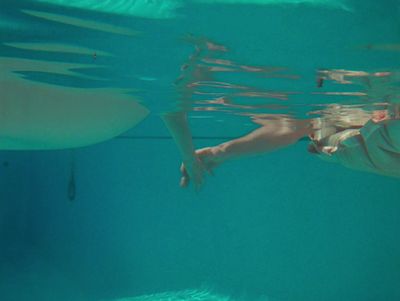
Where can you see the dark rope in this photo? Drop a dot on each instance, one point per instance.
(194, 138)
(71, 189)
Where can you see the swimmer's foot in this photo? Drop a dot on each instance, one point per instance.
(192, 171)
(206, 161)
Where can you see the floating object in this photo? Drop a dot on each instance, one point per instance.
(58, 48)
(39, 116)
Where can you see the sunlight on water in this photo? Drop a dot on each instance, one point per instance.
(160, 9)
(141, 8)
(187, 295)
(333, 3)
(81, 23)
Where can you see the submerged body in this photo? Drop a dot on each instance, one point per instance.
(369, 142)
(376, 149)
(358, 137)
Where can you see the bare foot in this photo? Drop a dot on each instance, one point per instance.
(206, 161)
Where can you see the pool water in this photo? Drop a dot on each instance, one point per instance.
(105, 219)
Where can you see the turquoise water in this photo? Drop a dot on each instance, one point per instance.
(109, 220)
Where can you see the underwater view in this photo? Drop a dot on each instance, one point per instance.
(199, 150)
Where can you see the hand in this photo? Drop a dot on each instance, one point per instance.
(205, 161)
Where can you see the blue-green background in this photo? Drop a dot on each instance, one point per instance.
(286, 226)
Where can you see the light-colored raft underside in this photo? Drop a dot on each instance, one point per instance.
(38, 116)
